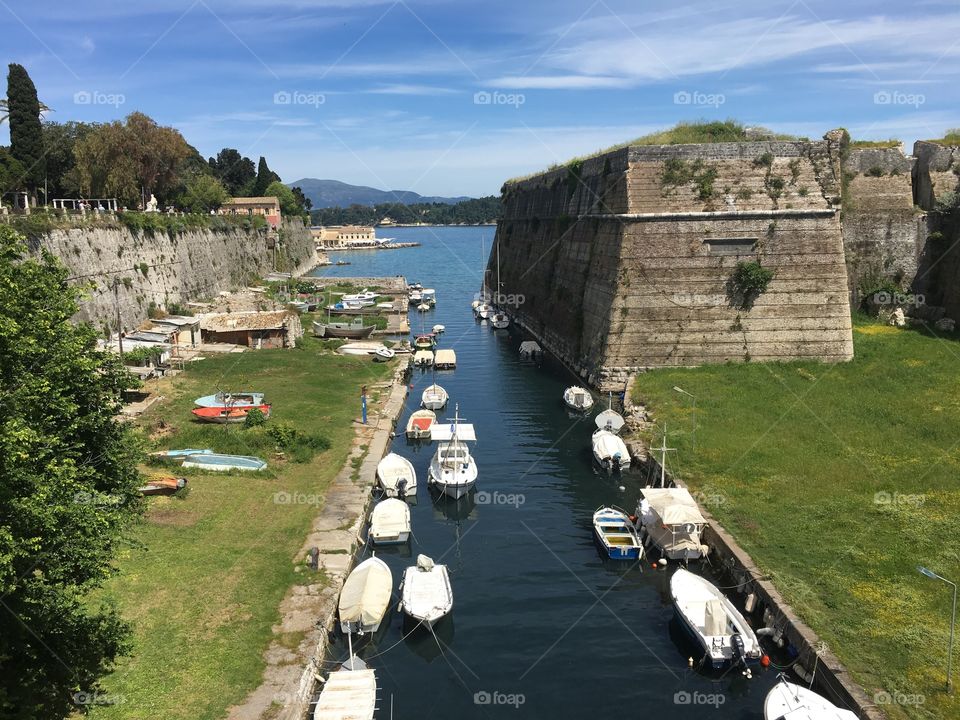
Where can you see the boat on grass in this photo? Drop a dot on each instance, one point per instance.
(787, 701)
(712, 621)
(578, 398)
(222, 463)
(228, 415)
(425, 593)
(365, 597)
(616, 534)
(354, 330)
(396, 476)
(225, 399)
(180, 454)
(420, 424)
(610, 451)
(390, 522)
(672, 521)
(163, 486)
(362, 348)
(382, 354)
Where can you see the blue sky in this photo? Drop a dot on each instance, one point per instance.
(386, 93)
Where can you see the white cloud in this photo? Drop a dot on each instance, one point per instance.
(557, 82)
(409, 89)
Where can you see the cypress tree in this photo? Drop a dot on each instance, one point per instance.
(26, 133)
(265, 176)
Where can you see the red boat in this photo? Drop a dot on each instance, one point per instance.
(225, 415)
(163, 486)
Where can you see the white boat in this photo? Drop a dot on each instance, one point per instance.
(423, 358)
(500, 320)
(438, 329)
(367, 296)
(426, 594)
(361, 348)
(610, 451)
(415, 296)
(429, 296)
(434, 397)
(530, 349)
(396, 476)
(672, 521)
(578, 398)
(474, 305)
(420, 424)
(365, 597)
(423, 307)
(349, 693)
(382, 354)
(385, 306)
(609, 420)
(712, 621)
(453, 471)
(445, 359)
(616, 534)
(390, 522)
(787, 701)
(483, 311)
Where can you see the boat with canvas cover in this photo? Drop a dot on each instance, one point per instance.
(425, 593)
(350, 693)
(787, 701)
(672, 521)
(445, 359)
(354, 330)
(396, 476)
(420, 424)
(453, 471)
(225, 399)
(228, 415)
(578, 398)
(423, 358)
(222, 463)
(390, 522)
(365, 597)
(712, 621)
(530, 349)
(434, 397)
(616, 534)
(610, 451)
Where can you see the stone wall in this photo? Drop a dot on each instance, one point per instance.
(133, 270)
(624, 261)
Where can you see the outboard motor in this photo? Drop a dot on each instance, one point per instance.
(739, 651)
(402, 488)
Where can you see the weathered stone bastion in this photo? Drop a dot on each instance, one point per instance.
(624, 261)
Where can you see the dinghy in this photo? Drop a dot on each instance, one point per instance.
(672, 521)
(438, 329)
(616, 534)
(425, 594)
(712, 621)
(500, 320)
(423, 358)
(445, 359)
(423, 307)
(225, 399)
(390, 522)
(365, 597)
(228, 415)
(453, 471)
(222, 463)
(382, 354)
(425, 341)
(530, 349)
(578, 398)
(787, 701)
(396, 476)
(420, 424)
(609, 420)
(349, 693)
(610, 451)
(434, 397)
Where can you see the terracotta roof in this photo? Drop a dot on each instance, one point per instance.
(269, 200)
(228, 322)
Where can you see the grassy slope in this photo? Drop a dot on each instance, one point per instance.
(204, 590)
(797, 453)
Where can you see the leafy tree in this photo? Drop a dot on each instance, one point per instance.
(202, 194)
(302, 200)
(265, 176)
(237, 173)
(288, 201)
(11, 172)
(59, 140)
(68, 479)
(26, 136)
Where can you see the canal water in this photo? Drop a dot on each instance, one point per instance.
(542, 626)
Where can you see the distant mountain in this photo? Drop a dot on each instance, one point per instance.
(333, 193)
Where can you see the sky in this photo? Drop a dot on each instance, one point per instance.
(452, 97)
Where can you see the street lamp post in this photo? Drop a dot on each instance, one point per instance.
(953, 621)
(689, 395)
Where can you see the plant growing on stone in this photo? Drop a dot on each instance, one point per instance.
(875, 171)
(748, 281)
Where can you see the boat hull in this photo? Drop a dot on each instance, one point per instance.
(326, 331)
(398, 539)
(453, 490)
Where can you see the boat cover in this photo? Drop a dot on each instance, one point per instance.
(529, 347)
(390, 517)
(714, 619)
(423, 356)
(422, 423)
(366, 593)
(348, 695)
(424, 562)
(445, 357)
(675, 506)
(394, 468)
(444, 432)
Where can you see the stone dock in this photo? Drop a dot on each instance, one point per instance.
(309, 611)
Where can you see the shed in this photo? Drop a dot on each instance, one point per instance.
(258, 330)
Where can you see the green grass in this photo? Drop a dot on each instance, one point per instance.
(950, 137)
(839, 480)
(891, 143)
(203, 590)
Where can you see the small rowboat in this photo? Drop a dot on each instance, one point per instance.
(426, 594)
(223, 463)
(228, 415)
(390, 522)
(420, 424)
(616, 534)
(578, 398)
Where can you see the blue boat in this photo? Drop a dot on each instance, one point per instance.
(616, 534)
(182, 453)
(215, 461)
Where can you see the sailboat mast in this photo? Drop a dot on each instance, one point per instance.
(496, 296)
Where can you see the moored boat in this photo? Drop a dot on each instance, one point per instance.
(420, 424)
(221, 463)
(609, 420)
(390, 522)
(426, 594)
(423, 307)
(445, 359)
(500, 320)
(453, 471)
(672, 521)
(787, 701)
(712, 621)
(349, 693)
(610, 451)
(578, 398)
(434, 397)
(425, 341)
(437, 329)
(616, 534)
(365, 596)
(530, 349)
(423, 358)
(228, 415)
(396, 476)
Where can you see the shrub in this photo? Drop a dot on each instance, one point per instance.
(765, 160)
(255, 418)
(875, 171)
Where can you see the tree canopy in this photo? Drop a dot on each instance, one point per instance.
(265, 176)
(68, 479)
(26, 137)
(203, 193)
(466, 212)
(237, 173)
